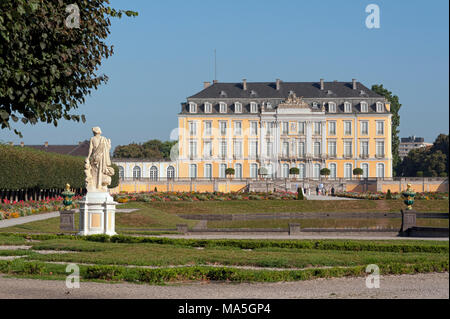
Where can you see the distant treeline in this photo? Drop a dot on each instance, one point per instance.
(427, 161)
(154, 149)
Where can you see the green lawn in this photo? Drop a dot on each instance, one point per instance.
(385, 223)
(416, 256)
(161, 216)
(284, 206)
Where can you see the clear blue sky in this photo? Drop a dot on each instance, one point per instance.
(165, 54)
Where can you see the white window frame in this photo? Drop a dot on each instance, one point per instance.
(192, 128)
(351, 128)
(378, 170)
(317, 128)
(332, 142)
(285, 128)
(361, 153)
(208, 130)
(377, 154)
(223, 127)
(302, 125)
(380, 108)
(364, 107)
(192, 107)
(346, 142)
(319, 153)
(237, 151)
(346, 165)
(237, 130)
(333, 176)
(331, 107)
(332, 132)
(365, 172)
(347, 107)
(223, 107)
(206, 152)
(382, 125)
(361, 128)
(238, 107)
(208, 107)
(252, 132)
(253, 107)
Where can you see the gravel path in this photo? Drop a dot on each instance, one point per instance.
(27, 219)
(420, 286)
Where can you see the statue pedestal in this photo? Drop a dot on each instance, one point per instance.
(97, 214)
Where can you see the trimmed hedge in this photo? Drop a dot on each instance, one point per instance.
(341, 245)
(202, 273)
(27, 168)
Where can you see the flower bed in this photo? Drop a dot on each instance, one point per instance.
(394, 196)
(191, 197)
(13, 209)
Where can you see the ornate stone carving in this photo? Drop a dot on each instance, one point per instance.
(294, 102)
(98, 168)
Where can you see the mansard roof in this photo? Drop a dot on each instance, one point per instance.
(268, 90)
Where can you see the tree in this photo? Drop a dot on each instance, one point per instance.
(427, 161)
(395, 108)
(325, 172)
(154, 149)
(48, 63)
(358, 172)
(300, 194)
(294, 171)
(229, 171)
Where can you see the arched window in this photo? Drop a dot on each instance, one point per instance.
(153, 173)
(121, 172)
(285, 171)
(332, 171)
(316, 171)
(348, 171)
(193, 170)
(365, 168)
(208, 171)
(238, 171)
(222, 170)
(170, 172)
(364, 107)
(380, 170)
(136, 172)
(253, 170)
(301, 169)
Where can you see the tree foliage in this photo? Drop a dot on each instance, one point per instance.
(427, 161)
(154, 149)
(294, 171)
(325, 172)
(47, 68)
(395, 108)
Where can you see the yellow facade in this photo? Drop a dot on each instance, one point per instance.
(356, 160)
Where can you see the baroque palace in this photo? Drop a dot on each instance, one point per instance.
(270, 127)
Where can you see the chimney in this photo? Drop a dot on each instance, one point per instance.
(278, 84)
(354, 84)
(244, 84)
(322, 85)
(206, 85)
(215, 81)
(46, 144)
(22, 144)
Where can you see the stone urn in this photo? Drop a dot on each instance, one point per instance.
(67, 197)
(409, 195)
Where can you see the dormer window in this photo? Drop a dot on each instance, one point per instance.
(364, 107)
(380, 107)
(253, 93)
(253, 107)
(332, 107)
(269, 105)
(192, 107)
(237, 107)
(223, 94)
(315, 104)
(347, 107)
(208, 107)
(223, 107)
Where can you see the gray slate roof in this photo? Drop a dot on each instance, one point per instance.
(268, 90)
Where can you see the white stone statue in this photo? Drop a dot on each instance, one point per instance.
(97, 208)
(98, 168)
